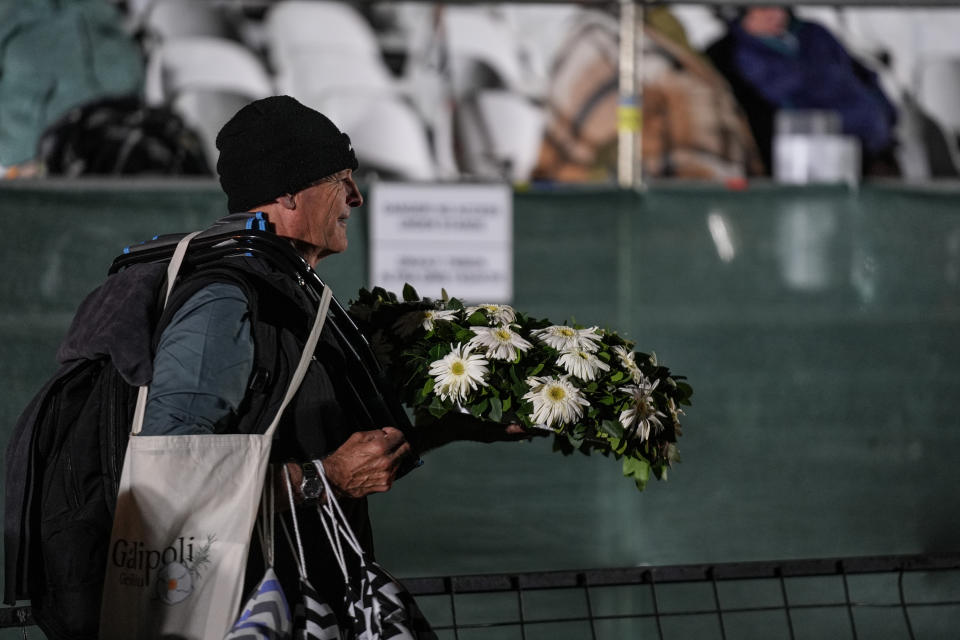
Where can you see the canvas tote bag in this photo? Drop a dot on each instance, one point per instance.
(184, 519)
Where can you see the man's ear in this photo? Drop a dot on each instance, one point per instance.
(286, 201)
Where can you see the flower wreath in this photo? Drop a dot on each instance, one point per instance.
(586, 385)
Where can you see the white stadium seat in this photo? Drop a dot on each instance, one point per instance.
(206, 80)
(326, 55)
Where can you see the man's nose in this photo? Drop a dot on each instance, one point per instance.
(354, 197)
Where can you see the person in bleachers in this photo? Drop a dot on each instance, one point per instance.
(55, 56)
(773, 60)
(692, 126)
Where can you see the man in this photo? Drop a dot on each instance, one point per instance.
(293, 165)
(775, 61)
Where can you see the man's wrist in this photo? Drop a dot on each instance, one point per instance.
(311, 486)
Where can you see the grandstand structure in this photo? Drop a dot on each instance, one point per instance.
(460, 90)
(816, 323)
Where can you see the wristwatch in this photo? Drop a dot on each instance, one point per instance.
(311, 488)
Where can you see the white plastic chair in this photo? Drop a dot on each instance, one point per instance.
(165, 19)
(387, 135)
(326, 55)
(499, 123)
(475, 35)
(502, 133)
(206, 80)
(937, 89)
(321, 45)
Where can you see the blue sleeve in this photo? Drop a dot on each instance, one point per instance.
(202, 365)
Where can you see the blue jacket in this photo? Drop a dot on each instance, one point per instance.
(806, 69)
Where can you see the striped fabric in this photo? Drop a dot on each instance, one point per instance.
(266, 615)
(313, 619)
(383, 610)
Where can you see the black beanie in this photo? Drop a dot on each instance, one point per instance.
(275, 146)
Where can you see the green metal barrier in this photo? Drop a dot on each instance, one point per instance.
(818, 326)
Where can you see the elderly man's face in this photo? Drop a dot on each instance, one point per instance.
(765, 21)
(325, 208)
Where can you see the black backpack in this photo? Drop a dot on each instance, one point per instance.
(66, 453)
(121, 136)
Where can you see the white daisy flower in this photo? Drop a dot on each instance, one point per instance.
(501, 342)
(563, 338)
(555, 401)
(642, 417)
(431, 316)
(498, 313)
(458, 373)
(626, 358)
(426, 318)
(582, 364)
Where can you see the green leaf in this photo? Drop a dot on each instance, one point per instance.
(409, 293)
(437, 408)
(612, 428)
(561, 444)
(507, 403)
(496, 409)
(617, 377)
(478, 409)
(425, 391)
(638, 469)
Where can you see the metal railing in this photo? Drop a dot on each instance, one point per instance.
(729, 600)
(735, 600)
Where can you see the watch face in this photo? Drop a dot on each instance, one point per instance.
(311, 489)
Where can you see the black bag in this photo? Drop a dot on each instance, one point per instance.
(121, 136)
(65, 456)
(62, 472)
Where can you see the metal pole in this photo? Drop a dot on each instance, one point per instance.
(628, 107)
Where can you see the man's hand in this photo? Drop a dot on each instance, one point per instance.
(367, 462)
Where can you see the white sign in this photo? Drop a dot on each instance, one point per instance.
(457, 237)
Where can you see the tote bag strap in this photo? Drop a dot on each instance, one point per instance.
(298, 547)
(336, 526)
(172, 270)
(305, 357)
(266, 527)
